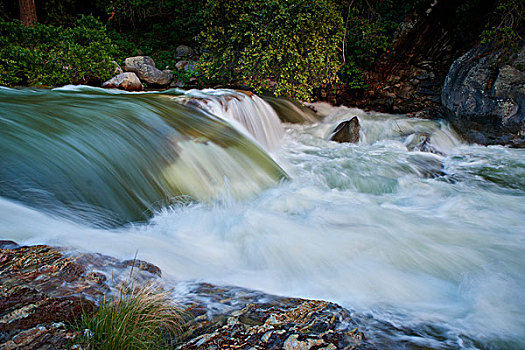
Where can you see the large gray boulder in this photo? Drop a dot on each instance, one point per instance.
(145, 69)
(125, 81)
(485, 100)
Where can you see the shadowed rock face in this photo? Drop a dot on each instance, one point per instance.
(346, 131)
(487, 103)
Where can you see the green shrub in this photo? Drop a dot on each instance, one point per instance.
(506, 27)
(140, 319)
(504, 31)
(285, 46)
(48, 55)
(154, 28)
(366, 39)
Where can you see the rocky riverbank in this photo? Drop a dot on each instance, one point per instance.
(44, 290)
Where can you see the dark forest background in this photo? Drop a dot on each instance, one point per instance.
(285, 47)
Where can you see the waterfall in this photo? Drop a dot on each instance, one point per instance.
(417, 233)
(121, 155)
(243, 108)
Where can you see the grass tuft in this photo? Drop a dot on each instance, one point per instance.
(141, 318)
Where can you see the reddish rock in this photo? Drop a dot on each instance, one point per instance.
(42, 289)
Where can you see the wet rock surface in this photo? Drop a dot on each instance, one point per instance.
(43, 288)
(484, 99)
(236, 318)
(347, 131)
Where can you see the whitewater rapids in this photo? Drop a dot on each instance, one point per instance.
(430, 241)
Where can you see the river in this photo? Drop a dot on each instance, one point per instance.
(425, 248)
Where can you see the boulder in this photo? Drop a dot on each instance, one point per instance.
(346, 131)
(421, 143)
(116, 70)
(145, 69)
(125, 81)
(485, 100)
(184, 51)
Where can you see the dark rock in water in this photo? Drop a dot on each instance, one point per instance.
(253, 320)
(486, 101)
(145, 69)
(421, 143)
(41, 289)
(126, 81)
(346, 131)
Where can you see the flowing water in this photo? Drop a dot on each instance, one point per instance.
(419, 234)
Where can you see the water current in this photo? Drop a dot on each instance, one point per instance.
(423, 241)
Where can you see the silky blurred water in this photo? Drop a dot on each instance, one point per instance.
(427, 249)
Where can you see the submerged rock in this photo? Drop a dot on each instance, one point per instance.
(292, 112)
(145, 69)
(346, 131)
(126, 81)
(486, 101)
(427, 165)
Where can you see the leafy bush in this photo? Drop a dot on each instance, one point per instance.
(366, 39)
(154, 28)
(506, 33)
(140, 319)
(48, 55)
(285, 46)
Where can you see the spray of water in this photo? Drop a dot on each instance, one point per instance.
(424, 244)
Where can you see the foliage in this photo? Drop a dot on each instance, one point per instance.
(507, 32)
(286, 46)
(152, 27)
(366, 39)
(369, 29)
(142, 319)
(47, 55)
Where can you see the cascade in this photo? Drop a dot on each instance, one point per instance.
(417, 233)
(256, 116)
(121, 155)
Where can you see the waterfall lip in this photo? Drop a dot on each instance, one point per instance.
(244, 110)
(89, 149)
